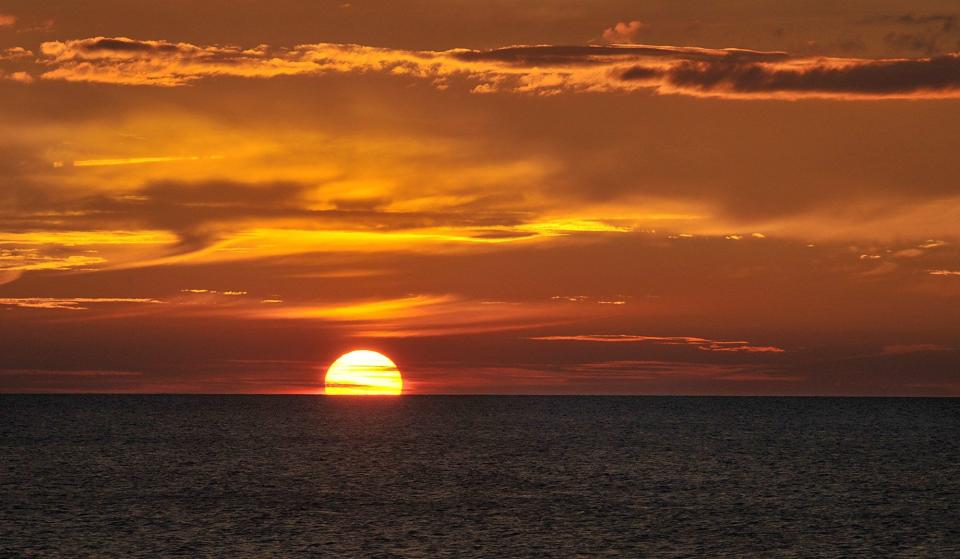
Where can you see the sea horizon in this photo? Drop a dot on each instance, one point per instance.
(534, 395)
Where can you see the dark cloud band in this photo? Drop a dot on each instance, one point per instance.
(537, 69)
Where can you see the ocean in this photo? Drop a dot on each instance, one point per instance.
(478, 476)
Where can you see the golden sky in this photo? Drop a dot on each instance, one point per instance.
(541, 197)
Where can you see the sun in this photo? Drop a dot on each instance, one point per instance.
(363, 373)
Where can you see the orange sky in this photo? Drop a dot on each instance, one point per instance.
(534, 197)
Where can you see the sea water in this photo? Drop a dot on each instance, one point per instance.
(485, 476)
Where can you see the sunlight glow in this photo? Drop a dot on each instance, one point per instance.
(363, 373)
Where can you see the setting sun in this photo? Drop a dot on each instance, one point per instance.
(363, 373)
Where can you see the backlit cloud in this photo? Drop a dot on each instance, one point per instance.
(14, 53)
(132, 62)
(132, 161)
(70, 303)
(31, 259)
(623, 32)
(13, 60)
(247, 217)
(538, 69)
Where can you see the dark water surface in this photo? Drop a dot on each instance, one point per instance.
(256, 476)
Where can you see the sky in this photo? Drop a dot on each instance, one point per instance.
(524, 197)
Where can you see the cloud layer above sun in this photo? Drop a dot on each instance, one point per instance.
(540, 69)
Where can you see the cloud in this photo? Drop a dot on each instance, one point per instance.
(126, 61)
(652, 369)
(39, 380)
(611, 300)
(281, 214)
(21, 77)
(623, 32)
(234, 293)
(23, 259)
(418, 316)
(7, 20)
(598, 377)
(411, 316)
(900, 349)
(58, 373)
(946, 22)
(194, 213)
(360, 311)
(15, 53)
(927, 33)
(68, 303)
(703, 344)
(537, 69)
(521, 56)
(820, 78)
(133, 161)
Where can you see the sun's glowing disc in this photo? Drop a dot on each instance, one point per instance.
(363, 373)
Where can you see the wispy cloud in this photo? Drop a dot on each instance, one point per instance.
(703, 344)
(615, 376)
(536, 69)
(133, 161)
(416, 315)
(360, 311)
(611, 300)
(68, 373)
(651, 369)
(419, 316)
(80, 380)
(70, 303)
(230, 293)
(237, 219)
(31, 259)
(82, 236)
(900, 349)
(926, 33)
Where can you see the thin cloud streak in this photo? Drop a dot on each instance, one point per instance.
(615, 376)
(30, 259)
(68, 373)
(135, 161)
(900, 349)
(69, 303)
(404, 317)
(702, 344)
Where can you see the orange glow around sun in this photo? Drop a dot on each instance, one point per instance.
(363, 373)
